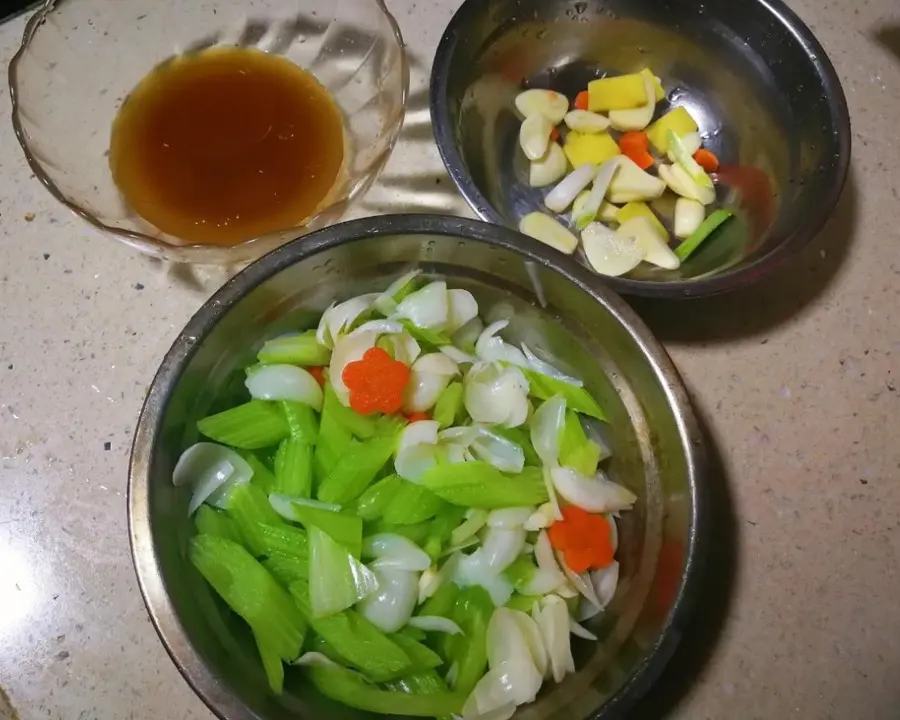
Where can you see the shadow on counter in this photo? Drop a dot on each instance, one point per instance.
(714, 598)
(889, 38)
(761, 308)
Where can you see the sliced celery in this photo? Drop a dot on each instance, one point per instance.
(343, 527)
(294, 468)
(421, 657)
(449, 405)
(578, 399)
(287, 569)
(576, 451)
(442, 602)
(350, 688)
(418, 533)
(244, 584)
(521, 571)
(253, 425)
(707, 228)
(262, 476)
(371, 504)
(468, 652)
(210, 521)
(249, 507)
(334, 436)
(413, 632)
(424, 682)
(480, 484)
(356, 469)
(428, 339)
(441, 528)
(299, 349)
(355, 640)
(412, 504)
(522, 603)
(301, 420)
(337, 580)
(360, 426)
(284, 539)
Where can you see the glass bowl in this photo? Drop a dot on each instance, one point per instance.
(79, 59)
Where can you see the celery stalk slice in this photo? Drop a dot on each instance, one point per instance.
(411, 504)
(707, 228)
(545, 387)
(287, 569)
(441, 528)
(575, 449)
(372, 503)
(356, 469)
(449, 405)
(210, 521)
(249, 507)
(480, 484)
(421, 656)
(442, 602)
(521, 572)
(301, 420)
(360, 426)
(522, 603)
(294, 468)
(343, 527)
(355, 640)
(424, 682)
(255, 424)
(294, 349)
(472, 612)
(262, 476)
(337, 580)
(250, 591)
(350, 688)
(334, 435)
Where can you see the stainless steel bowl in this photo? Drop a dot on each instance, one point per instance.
(555, 303)
(760, 86)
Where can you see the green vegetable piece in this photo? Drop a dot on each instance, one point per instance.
(578, 399)
(284, 539)
(468, 652)
(337, 580)
(412, 504)
(287, 569)
(371, 504)
(255, 424)
(424, 682)
(360, 426)
(334, 435)
(442, 602)
(249, 507)
(429, 339)
(356, 469)
(294, 468)
(262, 476)
(301, 420)
(244, 584)
(355, 640)
(449, 405)
(576, 451)
(350, 688)
(712, 223)
(413, 632)
(210, 521)
(521, 572)
(294, 349)
(480, 485)
(422, 657)
(522, 603)
(441, 528)
(343, 527)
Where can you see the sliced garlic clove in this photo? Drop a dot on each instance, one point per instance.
(534, 136)
(689, 215)
(586, 121)
(608, 253)
(548, 231)
(656, 250)
(549, 103)
(548, 169)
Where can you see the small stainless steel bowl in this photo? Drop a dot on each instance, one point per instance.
(766, 98)
(657, 450)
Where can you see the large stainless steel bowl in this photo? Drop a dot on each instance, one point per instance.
(553, 301)
(761, 88)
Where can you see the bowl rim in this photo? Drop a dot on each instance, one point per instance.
(195, 253)
(202, 680)
(730, 279)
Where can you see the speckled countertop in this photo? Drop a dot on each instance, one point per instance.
(799, 379)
